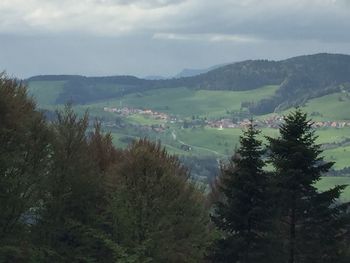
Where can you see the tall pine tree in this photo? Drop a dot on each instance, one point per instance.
(243, 214)
(309, 227)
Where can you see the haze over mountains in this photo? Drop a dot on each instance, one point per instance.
(189, 72)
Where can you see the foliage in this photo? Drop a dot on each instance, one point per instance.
(310, 224)
(286, 212)
(243, 212)
(68, 195)
(157, 213)
(24, 140)
(68, 214)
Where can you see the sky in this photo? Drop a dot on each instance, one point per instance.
(162, 37)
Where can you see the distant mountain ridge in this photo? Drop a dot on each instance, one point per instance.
(188, 72)
(299, 78)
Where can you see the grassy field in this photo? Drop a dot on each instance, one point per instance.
(330, 107)
(221, 141)
(333, 107)
(178, 101)
(204, 142)
(143, 120)
(329, 182)
(340, 155)
(45, 92)
(330, 135)
(187, 102)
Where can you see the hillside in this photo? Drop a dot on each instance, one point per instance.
(189, 72)
(201, 117)
(299, 79)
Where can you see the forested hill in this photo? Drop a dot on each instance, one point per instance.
(300, 78)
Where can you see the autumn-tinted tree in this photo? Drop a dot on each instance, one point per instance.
(158, 213)
(24, 155)
(310, 224)
(101, 148)
(66, 228)
(243, 214)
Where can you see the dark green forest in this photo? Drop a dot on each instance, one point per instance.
(67, 194)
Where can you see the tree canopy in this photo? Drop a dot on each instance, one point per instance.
(67, 194)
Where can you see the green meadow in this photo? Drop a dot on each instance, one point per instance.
(45, 92)
(335, 106)
(144, 120)
(185, 103)
(339, 155)
(216, 141)
(327, 182)
(332, 135)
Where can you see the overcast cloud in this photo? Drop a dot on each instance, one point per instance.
(160, 37)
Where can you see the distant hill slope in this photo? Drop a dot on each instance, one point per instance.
(189, 72)
(82, 90)
(299, 79)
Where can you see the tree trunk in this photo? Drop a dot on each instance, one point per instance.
(292, 235)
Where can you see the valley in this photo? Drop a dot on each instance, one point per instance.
(201, 123)
(175, 131)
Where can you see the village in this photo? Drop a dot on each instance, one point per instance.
(273, 121)
(126, 111)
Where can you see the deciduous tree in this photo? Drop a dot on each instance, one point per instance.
(158, 212)
(24, 159)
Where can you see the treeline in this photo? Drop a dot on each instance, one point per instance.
(83, 90)
(68, 195)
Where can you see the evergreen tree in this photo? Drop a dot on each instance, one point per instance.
(310, 223)
(243, 214)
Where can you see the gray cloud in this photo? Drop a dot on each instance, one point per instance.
(101, 37)
(144, 3)
(324, 20)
